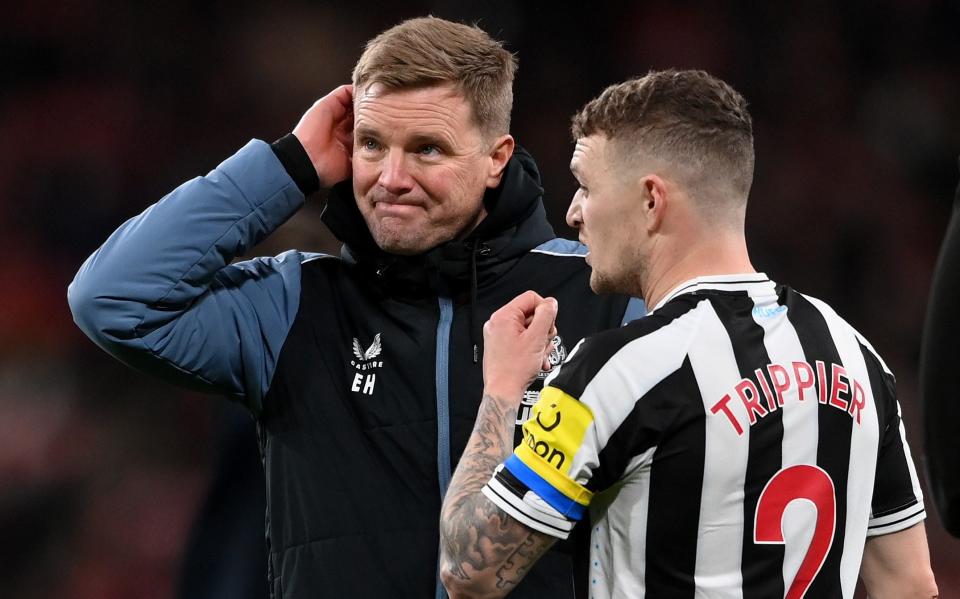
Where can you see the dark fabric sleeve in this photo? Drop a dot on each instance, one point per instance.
(289, 151)
(897, 502)
(939, 391)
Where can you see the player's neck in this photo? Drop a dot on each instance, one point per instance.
(715, 254)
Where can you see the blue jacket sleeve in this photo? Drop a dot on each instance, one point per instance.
(161, 296)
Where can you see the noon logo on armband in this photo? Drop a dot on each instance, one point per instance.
(557, 355)
(365, 365)
(547, 418)
(555, 431)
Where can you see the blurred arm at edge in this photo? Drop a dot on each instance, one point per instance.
(940, 394)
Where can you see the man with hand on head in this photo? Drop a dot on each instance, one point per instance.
(742, 440)
(362, 371)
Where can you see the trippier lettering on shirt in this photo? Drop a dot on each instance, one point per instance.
(768, 389)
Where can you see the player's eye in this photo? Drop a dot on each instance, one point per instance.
(370, 145)
(429, 150)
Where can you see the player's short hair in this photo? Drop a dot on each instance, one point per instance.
(428, 51)
(687, 119)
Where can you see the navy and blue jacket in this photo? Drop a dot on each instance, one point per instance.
(363, 371)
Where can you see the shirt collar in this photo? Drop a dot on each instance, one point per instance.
(750, 282)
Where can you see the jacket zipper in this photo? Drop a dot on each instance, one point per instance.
(443, 407)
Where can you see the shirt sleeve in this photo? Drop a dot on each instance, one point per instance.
(161, 295)
(543, 484)
(897, 502)
(584, 431)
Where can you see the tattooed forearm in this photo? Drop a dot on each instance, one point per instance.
(519, 563)
(480, 543)
(490, 444)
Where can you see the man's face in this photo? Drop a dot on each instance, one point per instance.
(420, 166)
(606, 211)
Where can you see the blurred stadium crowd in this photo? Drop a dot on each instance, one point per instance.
(106, 106)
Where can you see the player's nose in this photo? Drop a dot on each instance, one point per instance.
(574, 215)
(395, 174)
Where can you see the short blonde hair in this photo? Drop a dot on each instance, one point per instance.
(429, 51)
(686, 118)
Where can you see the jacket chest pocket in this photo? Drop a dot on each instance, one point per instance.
(388, 368)
(386, 390)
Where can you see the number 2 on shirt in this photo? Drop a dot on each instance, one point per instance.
(798, 482)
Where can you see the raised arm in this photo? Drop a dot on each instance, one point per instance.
(484, 552)
(159, 294)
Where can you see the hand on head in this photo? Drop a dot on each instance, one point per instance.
(326, 133)
(517, 342)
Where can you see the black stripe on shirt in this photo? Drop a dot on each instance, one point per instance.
(765, 457)
(892, 487)
(835, 430)
(674, 407)
(676, 481)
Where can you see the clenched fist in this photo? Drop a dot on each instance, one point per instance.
(517, 344)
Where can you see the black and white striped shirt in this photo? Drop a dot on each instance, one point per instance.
(690, 435)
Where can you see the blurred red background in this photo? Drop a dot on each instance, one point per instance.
(104, 107)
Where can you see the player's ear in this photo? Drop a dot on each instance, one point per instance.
(500, 153)
(654, 200)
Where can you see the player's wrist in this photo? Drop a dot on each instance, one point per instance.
(506, 394)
